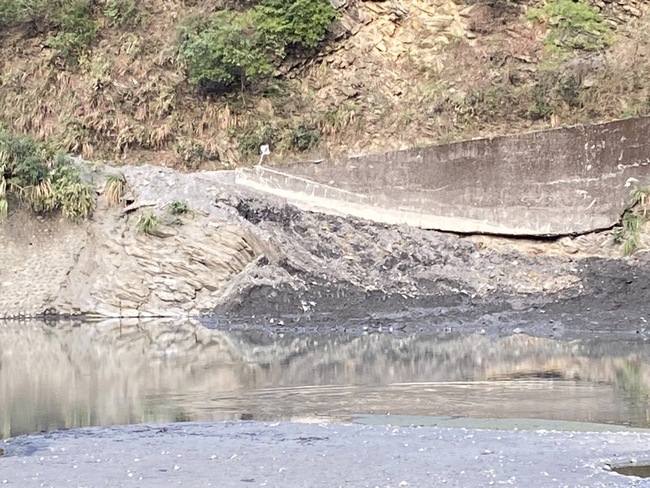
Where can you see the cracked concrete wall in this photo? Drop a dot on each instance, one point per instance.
(556, 182)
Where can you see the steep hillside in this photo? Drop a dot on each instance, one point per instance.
(106, 81)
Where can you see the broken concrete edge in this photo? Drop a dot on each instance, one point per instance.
(558, 182)
(310, 195)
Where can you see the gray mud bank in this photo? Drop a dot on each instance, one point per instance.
(351, 274)
(301, 455)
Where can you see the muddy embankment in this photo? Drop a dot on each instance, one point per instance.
(249, 257)
(253, 257)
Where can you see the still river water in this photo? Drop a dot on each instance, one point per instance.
(118, 372)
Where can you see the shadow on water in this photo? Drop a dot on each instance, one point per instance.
(119, 372)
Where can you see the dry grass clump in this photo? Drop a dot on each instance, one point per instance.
(115, 188)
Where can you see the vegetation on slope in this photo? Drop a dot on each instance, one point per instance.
(203, 84)
(32, 173)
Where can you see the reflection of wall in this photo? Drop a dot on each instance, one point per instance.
(553, 182)
(112, 372)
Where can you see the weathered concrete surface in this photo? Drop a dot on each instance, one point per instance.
(293, 455)
(557, 182)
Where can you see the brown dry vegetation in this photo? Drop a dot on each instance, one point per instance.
(394, 74)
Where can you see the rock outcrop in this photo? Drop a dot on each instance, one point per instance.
(106, 267)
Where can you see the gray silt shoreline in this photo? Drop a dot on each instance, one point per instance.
(234, 454)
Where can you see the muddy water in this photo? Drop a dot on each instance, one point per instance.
(118, 372)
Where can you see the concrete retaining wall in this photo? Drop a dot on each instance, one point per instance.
(556, 182)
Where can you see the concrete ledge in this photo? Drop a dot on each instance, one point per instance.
(556, 182)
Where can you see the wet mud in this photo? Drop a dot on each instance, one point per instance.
(351, 274)
(300, 455)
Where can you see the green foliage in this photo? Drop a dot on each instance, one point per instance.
(575, 24)
(304, 138)
(122, 13)
(70, 20)
(15, 12)
(569, 90)
(540, 108)
(294, 24)
(227, 53)
(76, 29)
(237, 48)
(76, 199)
(147, 223)
(179, 207)
(32, 173)
(251, 140)
(629, 235)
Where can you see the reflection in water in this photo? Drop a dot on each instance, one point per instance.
(118, 372)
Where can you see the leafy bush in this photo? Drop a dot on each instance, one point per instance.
(15, 12)
(236, 48)
(194, 154)
(121, 13)
(292, 24)
(575, 24)
(629, 235)
(76, 29)
(227, 53)
(30, 172)
(304, 138)
(251, 140)
(115, 188)
(71, 21)
(179, 207)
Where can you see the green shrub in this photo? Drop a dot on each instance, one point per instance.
(194, 154)
(540, 108)
(15, 12)
(227, 53)
(575, 24)
(237, 48)
(569, 90)
(294, 24)
(70, 21)
(179, 207)
(629, 235)
(121, 13)
(115, 188)
(147, 223)
(75, 29)
(251, 140)
(30, 172)
(304, 138)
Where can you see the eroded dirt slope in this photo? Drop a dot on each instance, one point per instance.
(393, 74)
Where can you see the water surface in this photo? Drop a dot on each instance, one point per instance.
(118, 372)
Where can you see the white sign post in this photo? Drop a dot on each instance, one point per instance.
(265, 150)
